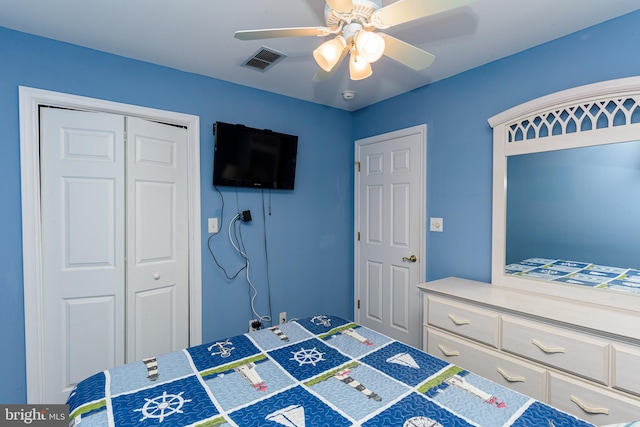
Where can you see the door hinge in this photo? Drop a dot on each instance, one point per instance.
(358, 304)
(358, 236)
(358, 165)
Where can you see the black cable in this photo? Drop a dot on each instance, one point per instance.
(211, 236)
(237, 234)
(222, 202)
(266, 252)
(219, 265)
(237, 201)
(241, 249)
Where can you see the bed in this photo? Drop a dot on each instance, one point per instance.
(577, 273)
(317, 371)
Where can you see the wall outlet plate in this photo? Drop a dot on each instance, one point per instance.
(213, 225)
(435, 224)
(251, 328)
(283, 317)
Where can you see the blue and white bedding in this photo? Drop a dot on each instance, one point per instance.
(319, 371)
(577, 273)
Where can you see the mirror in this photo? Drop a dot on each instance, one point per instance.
(566, 185)
(572, 216)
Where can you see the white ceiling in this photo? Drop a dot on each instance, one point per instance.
(197, 36)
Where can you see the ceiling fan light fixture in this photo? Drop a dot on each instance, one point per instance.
(369, 45)
(328, 53)
(359, 68)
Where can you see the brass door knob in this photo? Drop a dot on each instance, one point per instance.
(412, 258)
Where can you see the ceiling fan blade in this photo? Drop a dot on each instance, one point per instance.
(322, 75)
(406, 54)
(408, 10)
(281, 32)
(343, 6)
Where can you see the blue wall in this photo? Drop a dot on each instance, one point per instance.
(459, 138)
(310, 229)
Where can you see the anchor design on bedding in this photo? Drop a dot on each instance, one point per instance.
(222, 346)
(321, 320)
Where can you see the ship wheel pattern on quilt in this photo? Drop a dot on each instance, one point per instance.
(307, 357)
(162, 406)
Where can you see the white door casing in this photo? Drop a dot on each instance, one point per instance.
(389, 219)
(35, 336)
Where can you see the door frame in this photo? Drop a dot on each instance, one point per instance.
(422, 131)
(30, 99)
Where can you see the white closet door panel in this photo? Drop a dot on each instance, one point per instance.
(155, 222)
(90, 243)
(88, 321)
(156, 314)
(82, 189)
(157, 239)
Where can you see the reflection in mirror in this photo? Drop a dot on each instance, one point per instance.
(573, 215)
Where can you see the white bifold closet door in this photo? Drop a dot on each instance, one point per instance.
(114, 215)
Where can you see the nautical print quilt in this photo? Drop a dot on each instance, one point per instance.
(318, 371)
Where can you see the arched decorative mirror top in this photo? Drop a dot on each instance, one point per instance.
(566, 195)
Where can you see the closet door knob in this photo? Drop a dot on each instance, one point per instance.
(156, 276)
(412, 258)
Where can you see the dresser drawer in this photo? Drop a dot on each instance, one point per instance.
(590, 403)
(626, 368)
(571, 352)
(464, 320)
(519, 376)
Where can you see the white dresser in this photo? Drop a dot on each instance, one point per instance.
(579, 357)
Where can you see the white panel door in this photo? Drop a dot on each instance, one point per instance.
(82, 200)
(389, 217)
(157, 242)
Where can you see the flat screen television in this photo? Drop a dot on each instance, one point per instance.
(255, 158)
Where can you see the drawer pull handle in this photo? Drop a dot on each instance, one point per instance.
(459, 322)
(548, 350)
(588, 409)
(448, 352)
(511, 378)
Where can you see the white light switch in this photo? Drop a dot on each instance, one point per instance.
(213, 225)
(435, 224)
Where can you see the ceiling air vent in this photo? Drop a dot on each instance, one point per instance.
(264, 59)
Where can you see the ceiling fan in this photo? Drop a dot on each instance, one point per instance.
(353, 23)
